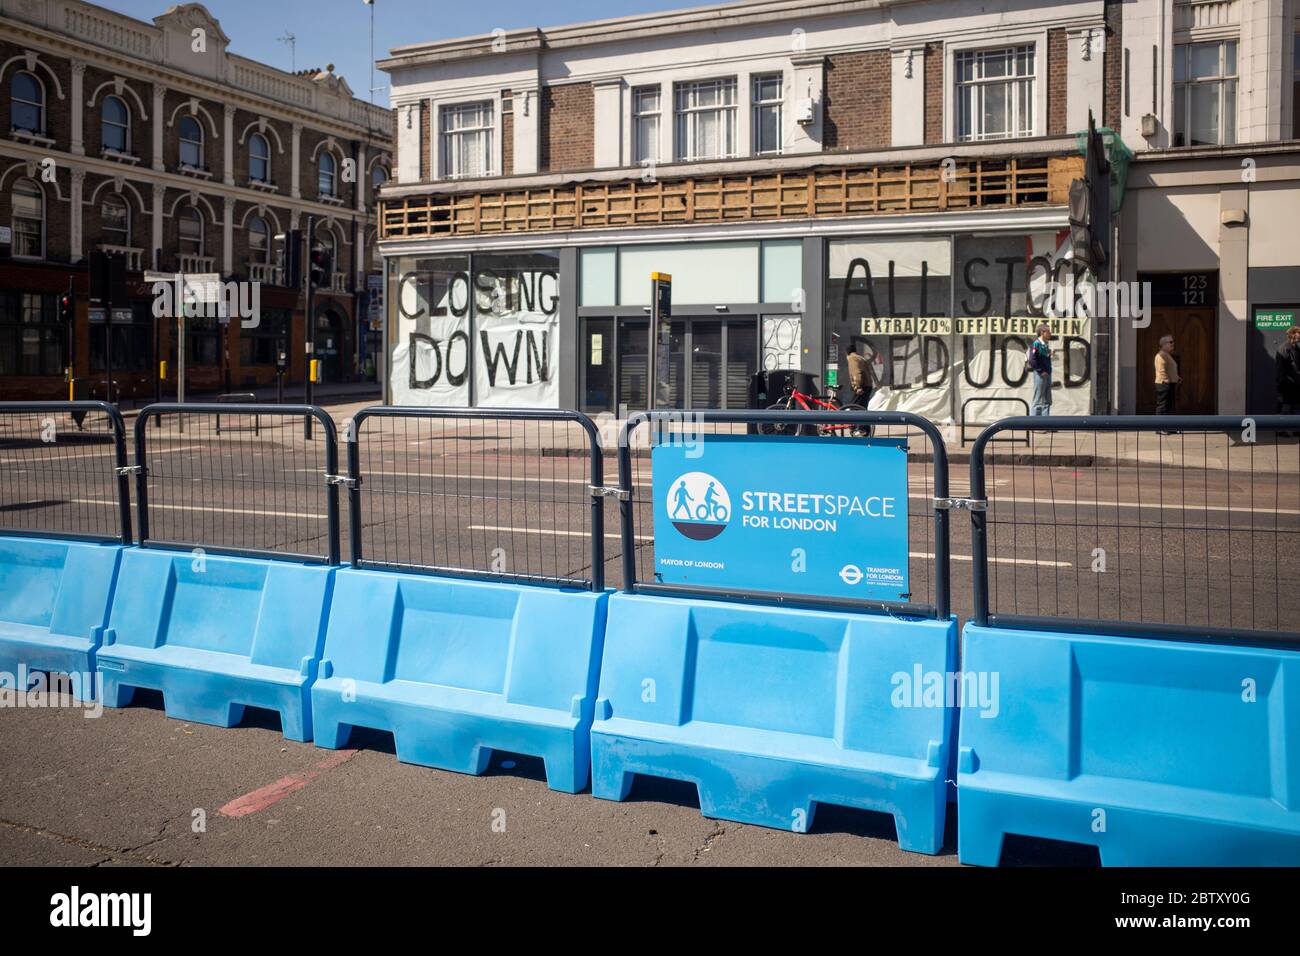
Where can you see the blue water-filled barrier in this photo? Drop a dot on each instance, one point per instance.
(458, 668)
(771, 711)
(1157, 752)
(216, 633)
(55, 596)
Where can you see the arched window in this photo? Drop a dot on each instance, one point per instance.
(115, 220)
(328, 168)
(116, 120)
(259, 158)
(325, 239)
(27, 103)
(259, 240)
(191, 142)
(190, 231)
(377, 178)
(29, 219)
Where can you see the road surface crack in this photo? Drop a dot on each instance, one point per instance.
(109, 852)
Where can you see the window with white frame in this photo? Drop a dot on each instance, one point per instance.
(26, 103)
(259, 158)
(646, 110)
(191, 142)
(767, 115)
(467, 140)
(189, 230)
(995, 93)
(115, 220)
(706, 119)
(1205, 93)
(327, 169)
(115, 124)
(28, 219)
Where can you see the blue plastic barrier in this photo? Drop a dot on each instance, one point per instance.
(217, 633)
(1159, 753)
(54, 603)
(770, 711)
(458, 668)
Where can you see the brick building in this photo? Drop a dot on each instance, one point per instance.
(152, 141)
(822, 175)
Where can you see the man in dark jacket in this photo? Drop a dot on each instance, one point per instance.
(1288, 375)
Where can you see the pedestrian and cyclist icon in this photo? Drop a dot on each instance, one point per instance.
(698, 505)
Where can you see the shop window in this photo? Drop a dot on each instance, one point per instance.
(1205, 93)
(131, 331)
(259, 158)
(706, 119)
(27, 103)
(467, 140)
(32, 340)
(262, 344)
(645, 124)
(191, 134)
(115, 124)
(28, 220)
(767, 115)
(994, 93)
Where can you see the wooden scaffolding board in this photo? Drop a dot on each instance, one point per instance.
(819, 193)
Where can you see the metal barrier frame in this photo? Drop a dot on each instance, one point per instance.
(597, 490)
(940, 609)
(121, 467)
(1118, 423)
(963, 425)
(331, 476)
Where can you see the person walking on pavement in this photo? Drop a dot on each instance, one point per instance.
(1039, 360)
(861, 379)
(1288, 377)
(1167, 379)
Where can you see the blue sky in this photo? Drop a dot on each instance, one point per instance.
(338, 31)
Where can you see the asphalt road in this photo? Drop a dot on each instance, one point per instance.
(1179, 543)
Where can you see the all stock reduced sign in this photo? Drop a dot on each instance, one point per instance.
(787, 514)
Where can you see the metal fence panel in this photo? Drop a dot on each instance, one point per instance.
(928, 491)
(237, 488)
(63, 471)
(1167, 526)
(502, 494)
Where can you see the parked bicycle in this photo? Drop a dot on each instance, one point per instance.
(796, 400)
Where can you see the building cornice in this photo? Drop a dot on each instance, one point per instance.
(635, 27)
(136, 64)
(22, 152)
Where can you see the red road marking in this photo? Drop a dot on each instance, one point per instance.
(273, 793)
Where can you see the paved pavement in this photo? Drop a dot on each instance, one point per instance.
(1184, 540)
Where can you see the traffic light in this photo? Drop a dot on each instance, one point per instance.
(322, 267)
(293, 259)
(68, 307)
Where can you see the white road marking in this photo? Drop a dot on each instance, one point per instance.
(223, 510)
(551, 531)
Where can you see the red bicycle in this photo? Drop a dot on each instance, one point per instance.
(796, 400)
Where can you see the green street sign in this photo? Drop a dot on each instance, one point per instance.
(1276, 318)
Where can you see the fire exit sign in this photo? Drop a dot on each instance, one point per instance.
(1276, 318)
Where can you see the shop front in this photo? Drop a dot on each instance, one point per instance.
(945, 320)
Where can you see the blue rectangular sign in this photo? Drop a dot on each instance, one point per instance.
(787, 514)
